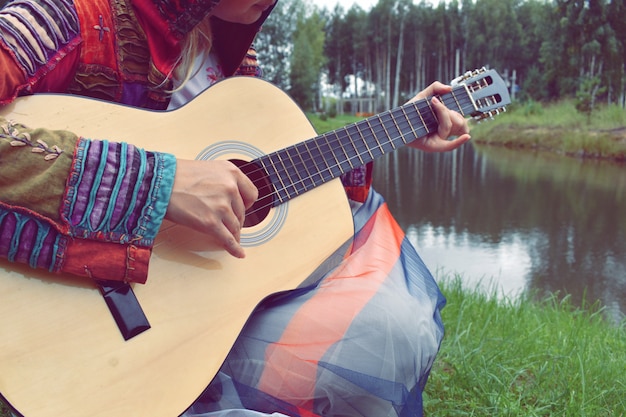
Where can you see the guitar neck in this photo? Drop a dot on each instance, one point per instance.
(306, 165)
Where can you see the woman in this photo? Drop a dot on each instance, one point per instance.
(74, 198)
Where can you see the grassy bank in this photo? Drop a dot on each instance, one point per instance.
(326, 124)
(526, 358)
(556, 127)
(560, 128)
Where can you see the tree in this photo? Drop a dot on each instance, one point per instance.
(616, 10)
(532, 16)
(401, 10)
(275, 42)
(494, 34)
(558, 48)
(381, 22)
(346, 47)
(307, 59)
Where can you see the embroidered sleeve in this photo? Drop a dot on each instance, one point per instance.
(35, 36)
(85, 207)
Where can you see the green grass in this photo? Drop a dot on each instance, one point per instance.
(501, 357)
(558, 127)
(326, 124)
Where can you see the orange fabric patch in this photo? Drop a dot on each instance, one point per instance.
(105, 260)
(98, 33)
(288, 376)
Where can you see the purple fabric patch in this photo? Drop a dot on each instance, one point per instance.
(108, 190)
(26, 240)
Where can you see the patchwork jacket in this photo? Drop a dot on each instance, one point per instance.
(77, 205)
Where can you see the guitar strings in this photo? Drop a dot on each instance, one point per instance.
(299, 185)
(293, 184)
(283, 172)
(304, 156)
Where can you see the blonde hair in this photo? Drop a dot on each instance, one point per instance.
(198, 42)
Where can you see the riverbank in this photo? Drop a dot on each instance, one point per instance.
(555, 127)
(525, 357)
(558, 128)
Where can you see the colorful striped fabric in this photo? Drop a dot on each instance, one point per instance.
(360, 342)
(37, 31)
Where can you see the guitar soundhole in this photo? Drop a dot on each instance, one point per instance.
(261, 208)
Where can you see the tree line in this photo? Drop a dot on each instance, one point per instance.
(548, 50)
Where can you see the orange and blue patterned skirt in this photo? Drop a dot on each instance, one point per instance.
(359, 342)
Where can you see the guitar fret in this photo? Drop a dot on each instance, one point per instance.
(456, 101)
(327, 149)
(416, 116)
(387, 133)
(381, 124)
(274, 177)
(418, 132)
(351, 132)
(327, 172)
(300, 168)
(349, 149)
(430, 118)
(417, 109)
(432, 112)
(364, 141)
(316, 158)
(292, 170)
(283, 175)
(345, 153)
(378, 144)
(394, 138)
(402, 124)
(468, 108)
(408, 119)
(309, 164)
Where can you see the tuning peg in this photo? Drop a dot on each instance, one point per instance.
(467, 75)
(488, 115)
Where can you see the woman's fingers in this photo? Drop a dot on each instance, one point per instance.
(452, 129)
(212, 197)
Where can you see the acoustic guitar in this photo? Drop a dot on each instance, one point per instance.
(61, 349)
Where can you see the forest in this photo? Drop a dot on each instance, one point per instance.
(545, 50)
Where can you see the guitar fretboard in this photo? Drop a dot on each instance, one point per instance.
(306, 165)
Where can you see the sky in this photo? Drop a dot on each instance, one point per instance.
(330, 4)
(365, 4)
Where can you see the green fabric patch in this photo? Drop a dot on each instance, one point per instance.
(35, 164)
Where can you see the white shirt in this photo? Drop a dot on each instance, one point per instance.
(206, 72)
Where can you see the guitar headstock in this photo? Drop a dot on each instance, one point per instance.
(487, 91)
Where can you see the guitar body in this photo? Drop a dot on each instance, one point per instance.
(61, 353)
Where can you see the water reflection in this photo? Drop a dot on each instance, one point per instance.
(515, 220)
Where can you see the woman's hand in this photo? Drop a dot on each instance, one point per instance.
(451, 123)
(212, 197)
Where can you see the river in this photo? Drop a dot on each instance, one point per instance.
(514, 221)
